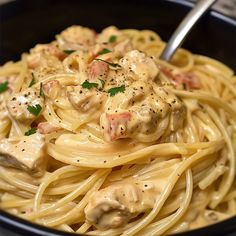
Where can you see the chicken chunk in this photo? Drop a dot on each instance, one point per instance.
(107, 33)
(19, 104)
(76, 38)
(52, 89)
(38, 52)
(85, 99)
(24, 153)
(143, 112)
(122, 48)
(142, 66)
(115, 205)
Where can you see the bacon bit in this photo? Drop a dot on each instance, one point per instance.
(98, 70)
(51, 88)
(47, 128)
(117, 127)
(189, 79)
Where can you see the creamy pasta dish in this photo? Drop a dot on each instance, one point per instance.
(98, 136)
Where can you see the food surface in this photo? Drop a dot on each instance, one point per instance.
(99, 136)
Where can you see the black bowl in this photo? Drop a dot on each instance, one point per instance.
(26, 23)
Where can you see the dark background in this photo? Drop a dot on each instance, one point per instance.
(25, 23)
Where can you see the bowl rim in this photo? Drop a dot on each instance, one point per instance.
(14, 223)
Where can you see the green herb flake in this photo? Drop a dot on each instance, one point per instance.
(33, 81)
(112, 38)
(68, 51)
(31, 131)
(104, 51)
(89, 85)
(35, 110)
(114, 91)
(102, 82)
(3, 86)
(109, 63)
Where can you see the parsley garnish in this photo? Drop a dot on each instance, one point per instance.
(112, 38)
(33, 81)
(3, 86)
(114, 91)
(102, 82)
(104, 51)
(35, 110)
(68, 51)
(31, 131)
(109, 63)
(89, 85)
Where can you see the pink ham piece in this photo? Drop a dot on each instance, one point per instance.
(98, 70)
(190, 79)
(47, 128)
(117, 125)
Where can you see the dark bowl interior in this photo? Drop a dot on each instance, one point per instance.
(25, 23)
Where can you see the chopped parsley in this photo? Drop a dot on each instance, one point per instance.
(41, 93)
(104, 51)
(115, 90)
(68, 51)
(3, 86)
(109, 63)
(31, 131)
(112, 38)
(89, 85)
(33, 81)
(35, 110)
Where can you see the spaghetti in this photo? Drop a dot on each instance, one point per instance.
(98, 136)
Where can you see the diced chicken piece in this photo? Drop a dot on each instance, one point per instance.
(180, 79)
(11, 81)
(141, 65)
(85, 99)
(19, 103)
(52, 89)
(115, 205)
(24, 153)
(177, 108)
(47, 128)
(78, 35)
(107, 33)
(48, 65)
(141, 112)
(38, 53)
(97, 70)
(122, 48)
(50, 49)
